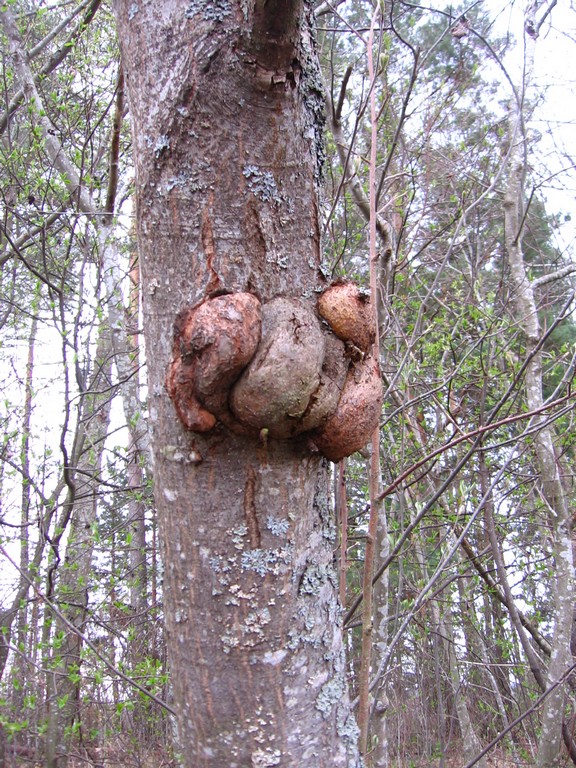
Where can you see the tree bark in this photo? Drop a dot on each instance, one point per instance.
(228, 148)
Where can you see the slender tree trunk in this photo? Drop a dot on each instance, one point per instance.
(470, 742)
(375, 472)
(226, 109)
(63, 680)
(19, 671)
(471, 745)
(550, 480)
(499, 678)
(381, 756)
(136, 474)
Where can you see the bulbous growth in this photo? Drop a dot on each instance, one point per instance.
(277, 367)
(275, 389)
(213, 343)
(357, 415)
(349, 314)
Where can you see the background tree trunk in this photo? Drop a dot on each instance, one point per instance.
(72, 594)
(549, 480)
(226, 112)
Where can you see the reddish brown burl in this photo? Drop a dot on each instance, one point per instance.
(278, 386)
(278, 368)
(213, 343)
(349, 313)
(357, 415)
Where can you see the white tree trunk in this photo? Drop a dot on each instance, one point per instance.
(550, 480)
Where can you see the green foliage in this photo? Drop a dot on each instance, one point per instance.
(454, 357)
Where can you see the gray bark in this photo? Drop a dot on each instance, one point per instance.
(227, 139)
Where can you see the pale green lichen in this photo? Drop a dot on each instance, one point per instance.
(315, 577)
(238, 535)
(210, 10)
(347, 726)
(329, 695)
(266, 758)
(309, 623)
(263, 561)
(262, 184)
(177, 181)
(162, 143)
(312, 634)
(219, 565)
(256, 620)
(249, 633)
(277, 527)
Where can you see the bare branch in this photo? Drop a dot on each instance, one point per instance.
(557, 275)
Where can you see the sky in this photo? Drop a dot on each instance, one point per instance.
(553, 124)
(554, 120)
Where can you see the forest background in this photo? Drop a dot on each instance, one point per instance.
(441, 113)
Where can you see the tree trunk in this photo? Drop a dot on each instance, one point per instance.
(63, 679)
(19, 670)
(549, 479)
(471, 745)
(136, 476)
(380, 728)
(553, 492)
(226, 116)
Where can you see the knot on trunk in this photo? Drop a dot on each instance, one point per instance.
(278, 367)
(213, 343)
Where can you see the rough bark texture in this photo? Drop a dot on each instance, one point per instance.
(227, 140)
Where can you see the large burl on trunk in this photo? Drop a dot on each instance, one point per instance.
(226, 112)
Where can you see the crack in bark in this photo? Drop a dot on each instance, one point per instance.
(210, 251)
(250, 509)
